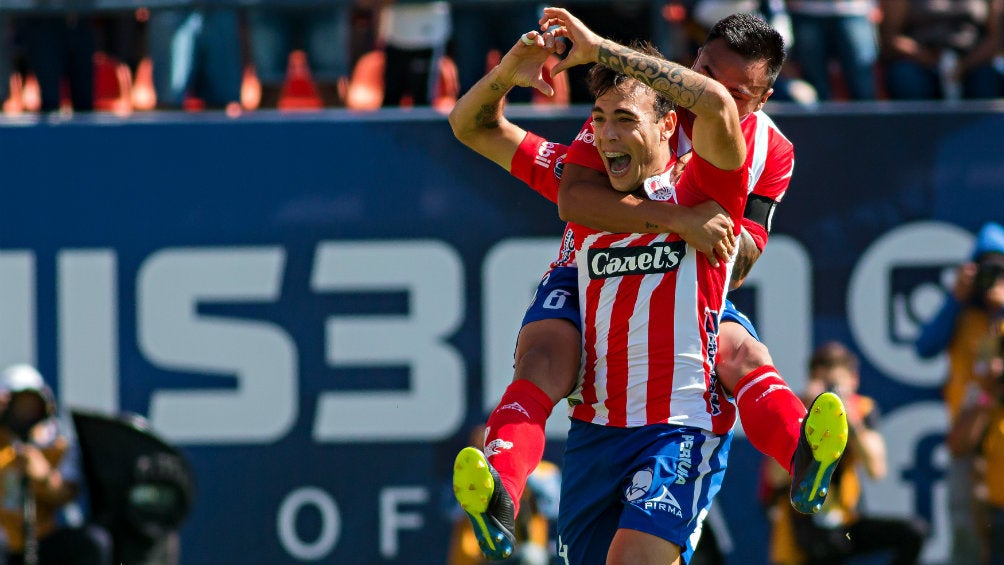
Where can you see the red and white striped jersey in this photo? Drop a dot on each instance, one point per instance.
(651, 306)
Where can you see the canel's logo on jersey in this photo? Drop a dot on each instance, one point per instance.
(665, 502)
(642, 260)
(640, 483)
(586, 136)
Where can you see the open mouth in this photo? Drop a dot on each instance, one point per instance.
(617, 163)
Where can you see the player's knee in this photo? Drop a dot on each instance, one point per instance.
(550, 360)
(741, 358)
(553, 375)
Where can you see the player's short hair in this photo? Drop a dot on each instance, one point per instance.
(832, 355)
(752, 38)
(602, 78)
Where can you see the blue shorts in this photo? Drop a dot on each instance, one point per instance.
(730, 314)
(557, 296)
(658, 479)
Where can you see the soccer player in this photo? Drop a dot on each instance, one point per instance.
(478, 122)
(650, 432)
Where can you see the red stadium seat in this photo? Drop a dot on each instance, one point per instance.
(299, 91)
(144, 95)
(112, 85)
(366, 84)
(365, 91)
(447, 87)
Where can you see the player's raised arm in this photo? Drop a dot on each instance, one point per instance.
(477, 118)
(717, 136)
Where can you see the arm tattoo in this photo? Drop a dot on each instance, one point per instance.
(490, 114)
(679, 83)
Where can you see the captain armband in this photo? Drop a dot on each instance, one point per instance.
(760, 209)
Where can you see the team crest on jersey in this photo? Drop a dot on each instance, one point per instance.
(711, 329)
(559, 167)
(660, 188)
(661, 257)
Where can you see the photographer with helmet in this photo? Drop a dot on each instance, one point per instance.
(967, 328)
(38, 477)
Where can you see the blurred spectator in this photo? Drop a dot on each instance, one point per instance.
(840, 530)
(538, 511)
(963, 328)
(60, 47)
(119, 34)
(715, 540)
(195, 51)
(840, 31)
(936, 49)
(979, 430)
(480, 26)
(787, 87)
(414, 36)
(320, 30)
(40, 474)
(6, 56)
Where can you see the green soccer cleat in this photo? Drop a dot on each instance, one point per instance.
(820, 446)
(479, 490)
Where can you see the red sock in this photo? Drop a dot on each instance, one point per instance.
(514, 441)
(771, 413)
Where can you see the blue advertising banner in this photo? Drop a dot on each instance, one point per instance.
(318, 308)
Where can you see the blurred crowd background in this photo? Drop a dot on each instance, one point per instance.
(116, 56)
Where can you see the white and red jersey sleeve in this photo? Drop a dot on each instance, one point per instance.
(770, 159)
(583, 150)
(538, 163)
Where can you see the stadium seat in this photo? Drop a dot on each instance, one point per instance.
(250, 89)
(299, 92)
(15, 103)
(447, 87)
(112, 85)
(366, 84)
(144, 95)
(365, 91)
